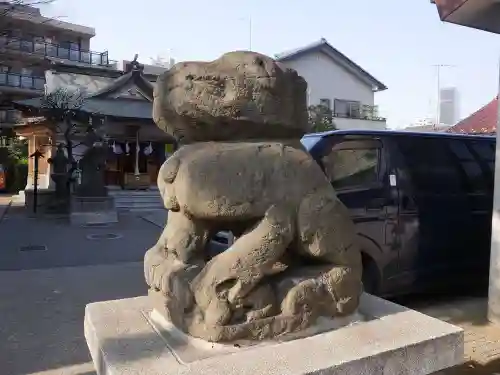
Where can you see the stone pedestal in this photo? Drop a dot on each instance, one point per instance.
(129, 337)
(44, 199)
(93, 210)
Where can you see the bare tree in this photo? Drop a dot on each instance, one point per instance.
(61, 109)
(321, 118)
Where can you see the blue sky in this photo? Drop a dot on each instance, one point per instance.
(395, 43)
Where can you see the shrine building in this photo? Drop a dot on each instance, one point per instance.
(119, 103)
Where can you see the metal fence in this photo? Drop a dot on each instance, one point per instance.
(55, 50)
(22, 81)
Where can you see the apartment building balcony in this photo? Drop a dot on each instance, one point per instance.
(9, 117)
(14, 83)
(356, 116)
(44, 49)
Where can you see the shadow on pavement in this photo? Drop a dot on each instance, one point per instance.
(42, 315)
(462, 308)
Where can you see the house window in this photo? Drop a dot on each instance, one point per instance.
(347, 108)
(326, 103)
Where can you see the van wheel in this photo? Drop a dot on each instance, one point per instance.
(370, 276)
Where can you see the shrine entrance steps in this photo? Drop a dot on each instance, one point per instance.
(136, 200)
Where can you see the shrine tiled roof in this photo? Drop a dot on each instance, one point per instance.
(126, 108)
(109, 100)
(483, 121)
(132, 77)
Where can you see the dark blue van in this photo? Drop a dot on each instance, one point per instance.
(422, 203)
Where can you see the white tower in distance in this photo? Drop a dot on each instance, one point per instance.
(448, 106)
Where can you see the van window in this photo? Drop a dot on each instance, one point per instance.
(471, 167)
(352, 164)
(486, 151)
(430, 165)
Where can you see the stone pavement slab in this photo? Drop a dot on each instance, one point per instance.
(42, 314)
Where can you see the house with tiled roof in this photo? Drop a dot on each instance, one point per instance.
(339, 83)
(483, 121)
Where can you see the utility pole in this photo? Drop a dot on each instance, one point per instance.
(438, 104)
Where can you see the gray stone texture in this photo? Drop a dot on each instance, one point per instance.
(241, 95)
(124, 338)
(296, 258)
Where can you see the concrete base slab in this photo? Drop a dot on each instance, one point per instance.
(124, 337)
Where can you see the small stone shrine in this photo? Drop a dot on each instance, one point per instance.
(91, 204)
(60, 174)
(93, 179)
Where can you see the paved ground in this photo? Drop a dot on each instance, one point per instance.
(67, 245)
(41, 315)
(5, 201)
(482, 339)
(157, 218)
(42, 300)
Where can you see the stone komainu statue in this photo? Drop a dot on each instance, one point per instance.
(242, 169)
